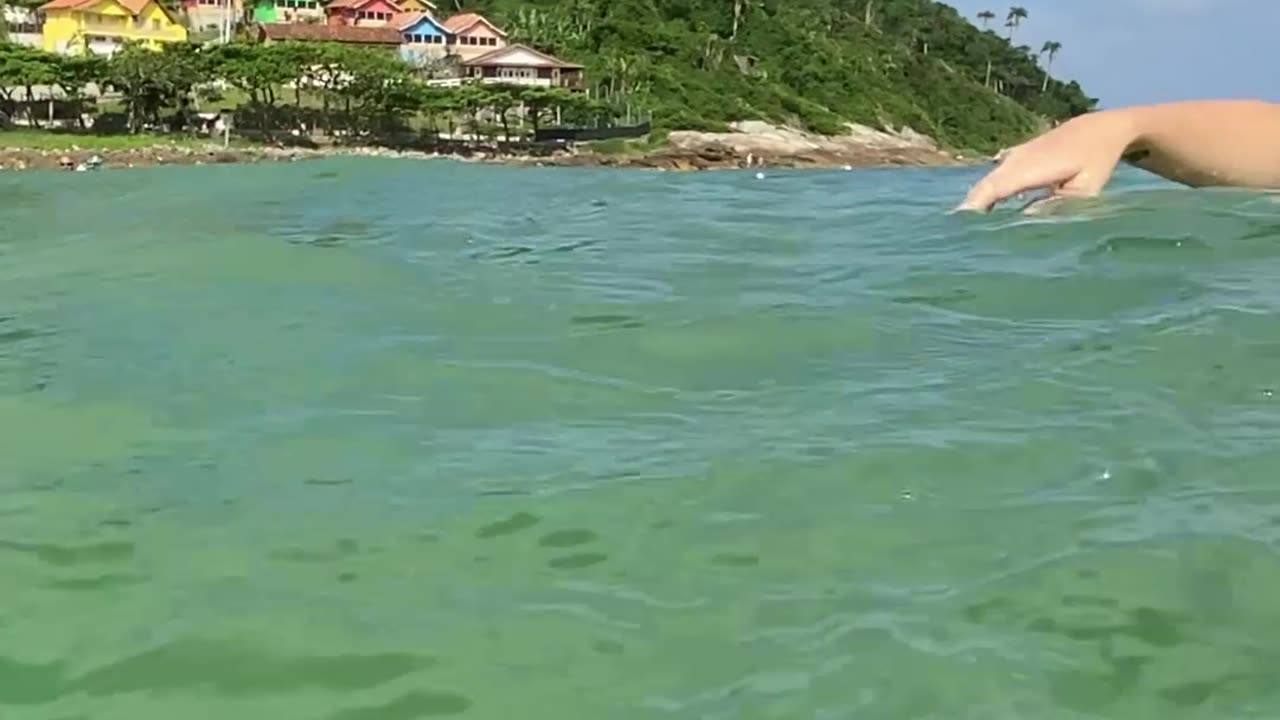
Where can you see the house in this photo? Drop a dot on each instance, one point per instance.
(423, 38)
(287, 11)
(386, 38)
(418, 6)
(361, 13)
(473, 35)
(23, 26)
(522, 65)
(213, 15)
(101, 27)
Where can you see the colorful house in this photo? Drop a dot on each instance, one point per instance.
(384, 38)
(287, 11)
(361, 13)
(101, 27)
(473, 35)
(522, 65)
(210, 15)
(423, 38)
(418, 6)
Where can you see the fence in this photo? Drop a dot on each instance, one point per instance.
(586, 134)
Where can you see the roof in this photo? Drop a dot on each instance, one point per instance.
(355, 3)
(465, 21)
(495, 58)
(133, 6)
(315, 32)
(404, 21)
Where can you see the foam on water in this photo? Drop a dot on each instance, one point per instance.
(366, 439)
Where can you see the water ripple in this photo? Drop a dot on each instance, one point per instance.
(416, 439)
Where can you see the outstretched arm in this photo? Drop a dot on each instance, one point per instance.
(1202, 143)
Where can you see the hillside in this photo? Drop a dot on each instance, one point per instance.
(814, 63)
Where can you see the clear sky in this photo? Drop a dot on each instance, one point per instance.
(1140, 51)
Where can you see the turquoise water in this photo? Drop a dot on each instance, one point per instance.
(360, 439)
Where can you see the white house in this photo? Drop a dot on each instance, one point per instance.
(23, 25)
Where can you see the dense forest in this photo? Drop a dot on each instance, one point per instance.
(701, 63)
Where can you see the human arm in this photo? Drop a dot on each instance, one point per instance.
(1202, 143)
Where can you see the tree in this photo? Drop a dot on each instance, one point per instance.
(538, 101)
(1014, 20)
(986, 16)
(25, 67)
(379, 90)
(72, 74)
(153, 81)
(256, 69)
(1050, 50)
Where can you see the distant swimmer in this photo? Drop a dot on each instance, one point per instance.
(1204, 143)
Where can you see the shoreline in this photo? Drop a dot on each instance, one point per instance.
(685, 152)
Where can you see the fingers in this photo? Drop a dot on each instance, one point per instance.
(983, 196)
(1089, 182)
(1014, 176)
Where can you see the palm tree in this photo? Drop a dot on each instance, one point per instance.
(1016, 15)
(1050, 49)
(986, 16)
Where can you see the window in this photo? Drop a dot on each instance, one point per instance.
(155, 24)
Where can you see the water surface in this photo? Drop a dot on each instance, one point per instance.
(360, 439)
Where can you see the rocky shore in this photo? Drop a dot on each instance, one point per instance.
(756, 144)
(748, 144)
(17, 158)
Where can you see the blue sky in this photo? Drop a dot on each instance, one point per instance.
(1141, 51)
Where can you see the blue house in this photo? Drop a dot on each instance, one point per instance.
(425, 39)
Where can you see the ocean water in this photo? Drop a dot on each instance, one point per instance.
(382, 440)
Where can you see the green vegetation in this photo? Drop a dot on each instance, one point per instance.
(618, 146)
(353, 92)
(689, 64)
(700, 64)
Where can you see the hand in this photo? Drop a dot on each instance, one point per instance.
(1075, 159)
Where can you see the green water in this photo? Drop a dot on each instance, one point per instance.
(358, 440)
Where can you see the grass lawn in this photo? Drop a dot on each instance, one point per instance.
(29, 139)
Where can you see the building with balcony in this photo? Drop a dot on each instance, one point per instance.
(424, 40)
(213, 15)
(23, 26)
(472, 35)
(522, 65)
(361, 13)
(269, 12)
(102, 27)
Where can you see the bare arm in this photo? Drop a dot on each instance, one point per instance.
(1211, 143)
(1201, 143)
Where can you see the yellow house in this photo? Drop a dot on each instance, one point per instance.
(422, 6)
(101, 27)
